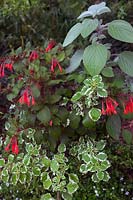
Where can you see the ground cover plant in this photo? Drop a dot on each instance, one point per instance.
(66, 104)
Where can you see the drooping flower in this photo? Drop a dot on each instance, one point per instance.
(50, 46)
(128, 108)
(7, 148)
(55, 64)
(14, 145)
(33, 56)
(27, 98)
(51, 123)
(109, 106)
(4, 66)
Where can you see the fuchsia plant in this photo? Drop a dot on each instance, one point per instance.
(58, 101)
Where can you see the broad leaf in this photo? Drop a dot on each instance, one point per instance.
(125, 62)
(72, 187)
(75, 61)
(108, 72)
(54, 165)
(121, 30)
(127, 136)
(95, 114)
(88, 26)
(44, 115)
(113, 126)
(94, 58)
(73, 33)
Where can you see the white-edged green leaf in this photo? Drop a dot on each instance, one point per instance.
(22, 178)
(121, 30)
(2, 162)
(101, 92)
(73, 178)
(66, 196)
(125, 62)
(100, 175)
(73, 33)
(46, 197)
(54, 165)
(72, 187)
(47, 183)
(106, 176)
(94, 178)
(62, 148)
(83, 169)
(95, 114)
(88, 26)
(14, 179)
(94, 58)
(76, 96)
(102, 156)
(75, 61)
(86, 157)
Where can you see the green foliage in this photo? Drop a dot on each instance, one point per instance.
(56, 121)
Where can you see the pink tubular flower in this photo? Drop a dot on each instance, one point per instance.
(129, 106)
(27, 98)
(14, 145)
(7, 148)
(15, 148)
(4, 65)
(55, 63)
(33, 56)
(50, 46)
(110, 105)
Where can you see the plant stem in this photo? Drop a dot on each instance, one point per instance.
(58, 196)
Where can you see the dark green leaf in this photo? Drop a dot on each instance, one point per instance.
(113, 126)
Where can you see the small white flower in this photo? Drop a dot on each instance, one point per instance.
(94, 10)
(122, 189)
(121, 179)
(127, 193)
(12, 106)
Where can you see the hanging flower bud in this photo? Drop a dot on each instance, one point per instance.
(33, 56)
(109, 106)
(55, 64)
(50, 46)
(27, 98)
(128, 108)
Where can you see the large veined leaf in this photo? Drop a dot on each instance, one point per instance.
(44, 115)
(88, 26)
(73, 33)
(94, 58)
(113, 126)
(75, 61)
(125, 62)
(121, 30)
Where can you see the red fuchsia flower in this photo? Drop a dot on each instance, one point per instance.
(109, 106)
(9, 66)
(14, 145)
(15, 148)
(33, 56)
(51, 123)
(27, 98)
(129, 106)
(50, 46)
(55, 64)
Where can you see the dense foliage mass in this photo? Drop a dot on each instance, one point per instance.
(67, 111)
